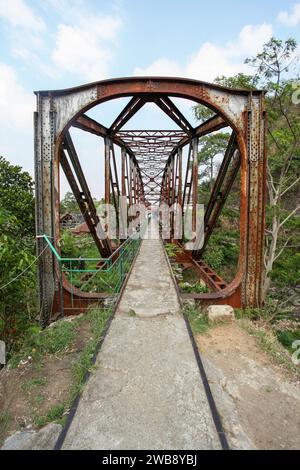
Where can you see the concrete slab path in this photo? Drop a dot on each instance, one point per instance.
(146, 391)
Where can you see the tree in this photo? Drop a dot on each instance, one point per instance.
(17, 290)
(69, 204)
(273, 67)
(211, 146)
(16, 196)
(275, 60)
(245, 82)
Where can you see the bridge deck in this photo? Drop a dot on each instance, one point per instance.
(146, 391)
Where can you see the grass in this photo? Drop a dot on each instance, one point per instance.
(197, 319)
(55, 413)
(264, 324)
(37, 382)
(5, 419)
(97, 318)
(270, 344)
(37, 342)
(58, 339)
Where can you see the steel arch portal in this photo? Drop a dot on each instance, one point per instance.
(242, 110)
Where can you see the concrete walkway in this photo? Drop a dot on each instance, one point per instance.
(146, 392)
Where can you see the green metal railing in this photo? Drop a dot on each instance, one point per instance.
(96, 275)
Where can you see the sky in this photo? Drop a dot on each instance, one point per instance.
(52, 44)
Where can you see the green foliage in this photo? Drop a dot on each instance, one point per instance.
(69, 204)
(196, 287)
(287, 338)
(98, 319)
(270, 344)
(271, 65)
(76, 246)
(210, 147)
(241, 81)
(214, 257)
(276, 56)
(56, 340)
(16, 197)
(197, 320)
(55, 413)
(202, 113)
(286, 270)
(52, 340)
(172, 250)
(17, 292)
(255, 314)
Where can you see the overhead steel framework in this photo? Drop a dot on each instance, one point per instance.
(152, 171)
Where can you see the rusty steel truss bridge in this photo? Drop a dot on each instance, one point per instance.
(152, 172)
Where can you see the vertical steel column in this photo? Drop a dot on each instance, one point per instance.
(256, 171)
(195, 184)
(123, 170)
(128, 177)
(134, 182)
(180, 176)
(123, 205)
(107, 169)
(45, 176)
(174, 174)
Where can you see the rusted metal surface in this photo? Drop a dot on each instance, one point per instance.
(74, 300)
(205, 272)
(83, 195)
(152, 165)
(151, 149)
(210, 277)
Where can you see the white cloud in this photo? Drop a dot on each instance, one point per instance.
(16, 103)
(290, 19)
(18, 14)
(85, 48)
(252, 38)
(163, 67)
(82, 43)
(211, 60)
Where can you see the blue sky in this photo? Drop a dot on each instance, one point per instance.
(54, 44)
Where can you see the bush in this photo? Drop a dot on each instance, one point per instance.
(172, 250)
(287, 338)
(197, 288)
(17, 260)
(214, 257)
(18, 291)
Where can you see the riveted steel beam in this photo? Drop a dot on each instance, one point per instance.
(83, 203)
(166, 105)
(134, 105)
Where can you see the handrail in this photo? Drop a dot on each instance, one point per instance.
(110, 258)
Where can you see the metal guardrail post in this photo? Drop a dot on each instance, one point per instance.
(62, 311)
(122, 263)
